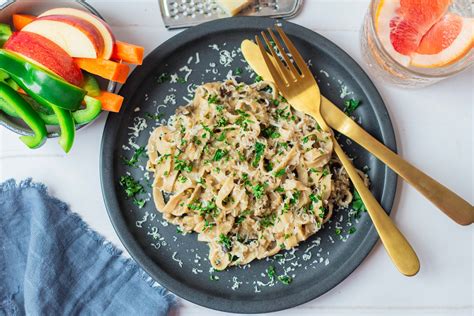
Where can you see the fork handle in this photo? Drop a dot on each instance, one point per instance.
(398, 248)
(446, 200)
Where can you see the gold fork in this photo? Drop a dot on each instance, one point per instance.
(302, 92)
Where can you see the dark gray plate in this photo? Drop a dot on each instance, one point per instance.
(320, 263)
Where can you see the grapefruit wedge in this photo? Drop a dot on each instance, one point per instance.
(401, 24)
(447, 41)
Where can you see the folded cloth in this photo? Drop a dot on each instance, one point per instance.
(51, 263)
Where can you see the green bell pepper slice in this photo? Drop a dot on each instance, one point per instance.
(12, 101)
(42, 85)
(92, 110)
(5, 33)
(67, 126)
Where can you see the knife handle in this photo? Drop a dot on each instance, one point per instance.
(396, 245)
(446, 200)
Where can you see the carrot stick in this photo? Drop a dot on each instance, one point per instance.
(128, 53)
(110, 101)
(21, 20)
(104, 68)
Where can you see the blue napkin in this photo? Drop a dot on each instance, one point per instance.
(51, 263)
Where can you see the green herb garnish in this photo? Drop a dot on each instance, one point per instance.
(131, 186)
(268, 220)
(164, 77)
(271, 272)
(182, 165)
(259, 150)
(280, 172)
(351, 105)
(285, 279)
(219, 154)
(139, 202)
(132, 162)
(212, 99)
(225, 241)
(271, 132)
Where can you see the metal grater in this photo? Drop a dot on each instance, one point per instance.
(186, 13)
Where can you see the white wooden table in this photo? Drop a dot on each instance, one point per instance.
(434, 129)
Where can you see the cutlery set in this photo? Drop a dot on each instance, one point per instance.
(295, 82)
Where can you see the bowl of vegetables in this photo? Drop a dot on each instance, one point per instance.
(59, 65)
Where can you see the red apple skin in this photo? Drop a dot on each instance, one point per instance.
(85, 27)
(101, 25)
(46, 53)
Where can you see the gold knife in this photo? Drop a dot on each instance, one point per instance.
(459, 210)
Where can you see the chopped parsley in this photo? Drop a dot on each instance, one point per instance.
(279, 190)
(212, 99)
(131, 186)
(258, 79)
(314, 198)
(180, 80)
(156, 116)
(280, 172)
(225, 242)
(207, 225)
(221, 137)
(259, 150)
(204, 208)
(268, 220)
(357, 204)
(338, 231)
(285, 279)
(243, 119)
(238, 71)
(323, 212)
(219, 108)
(139, 202)
(132, 162)
(352, 230)
(271, 272)
(221, 122)
(325, 172)
(219, 154)
(271, 132)
(282, 114)
(351, 105)
(268, 165)
(259, 189)
(207, 129)
(213, 277)
(182, 179)
(182, 165)
(164, 77)
(294, 199)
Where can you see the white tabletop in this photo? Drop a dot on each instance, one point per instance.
(434, 129)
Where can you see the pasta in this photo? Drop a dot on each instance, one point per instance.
(247, 172)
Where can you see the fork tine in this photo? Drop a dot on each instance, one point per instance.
(281, 68)
(294, 52)
(288, 62)
(279, 82)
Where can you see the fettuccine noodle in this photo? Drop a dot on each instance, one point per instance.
(247, 172)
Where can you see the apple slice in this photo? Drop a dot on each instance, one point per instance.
(76, 36)
(45, 53)
(101, 25)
